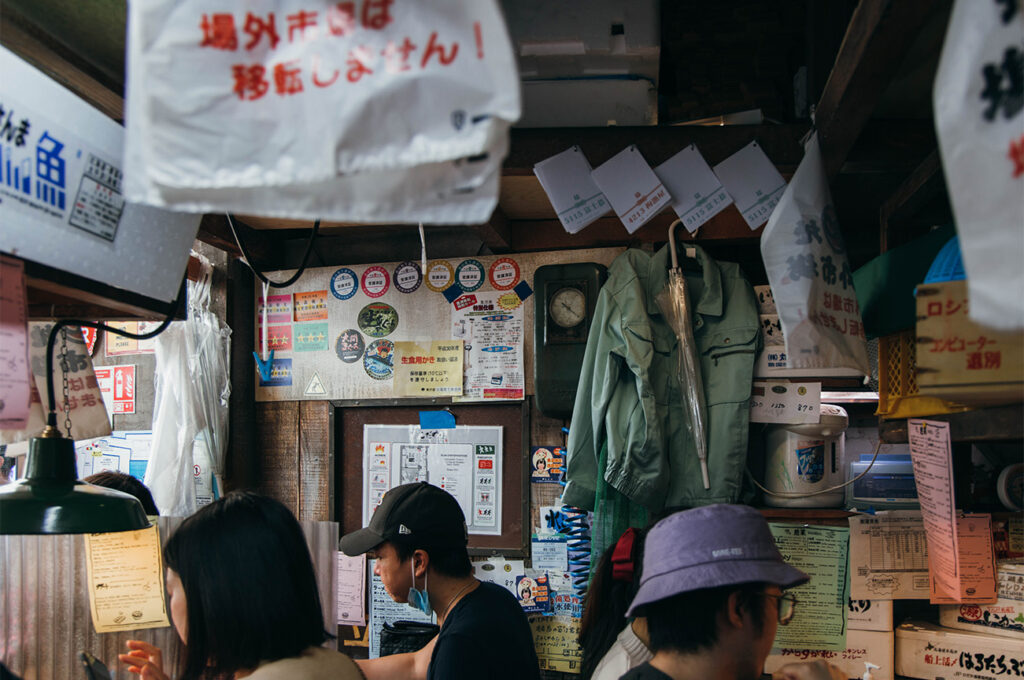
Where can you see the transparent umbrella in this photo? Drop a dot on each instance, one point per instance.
(675, 305)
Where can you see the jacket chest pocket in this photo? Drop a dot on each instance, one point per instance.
(727, 364)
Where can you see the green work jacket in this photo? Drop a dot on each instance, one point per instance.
(629, 392)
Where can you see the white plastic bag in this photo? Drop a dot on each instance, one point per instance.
(979, 118)
(805, 258)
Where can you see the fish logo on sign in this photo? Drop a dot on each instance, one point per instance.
(315, 386)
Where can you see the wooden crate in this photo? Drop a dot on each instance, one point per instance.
(960, 360)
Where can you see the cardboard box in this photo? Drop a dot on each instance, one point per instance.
(959, 360)
(861, 646)
(925, 650)
(869, 615)
(1005, 617)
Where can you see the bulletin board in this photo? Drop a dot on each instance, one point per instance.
(511, 420)
(333, 328)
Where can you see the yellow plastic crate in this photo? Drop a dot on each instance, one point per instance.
(898, 396)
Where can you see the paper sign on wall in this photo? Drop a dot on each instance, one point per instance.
(431, 369)
(15, 379)
(117, 345)
(979, 118)
(785, 402)
(753, 182)
(126, 580)
(576, 198)
(635, 192)
(888, 556)
(351, 577)
(697, 193)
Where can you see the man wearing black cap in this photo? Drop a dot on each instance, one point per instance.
(418, 538)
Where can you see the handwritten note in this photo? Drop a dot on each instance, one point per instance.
(754, 183)
(888, 556)
(565, 178)
(351, 577)
(15, 378)
(821, 552)
(556, 641)
(977, 563)
(126, 580)
(784, 402)
(932, 457)
(634, 190)
(697, 193)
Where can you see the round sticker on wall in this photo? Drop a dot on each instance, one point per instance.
(344, 283)
(439, 275)
(349, 346)
(377, 361)
(408, 277)
(469, 275)
(377, 319)
(376, 281)
(509, 301)
(504, 273)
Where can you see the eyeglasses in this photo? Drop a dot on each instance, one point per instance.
(787, 606)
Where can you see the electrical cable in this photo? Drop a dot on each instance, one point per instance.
(51, 398)
(795, 494)
(248, 259)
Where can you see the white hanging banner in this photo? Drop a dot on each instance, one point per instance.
(805, 258)
(293, 93)
(979, 118)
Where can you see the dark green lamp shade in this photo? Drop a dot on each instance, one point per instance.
(52, 500)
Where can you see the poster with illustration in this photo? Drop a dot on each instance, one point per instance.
(546, 464)
(533, 593)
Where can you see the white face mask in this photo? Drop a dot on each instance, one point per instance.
(418, 599)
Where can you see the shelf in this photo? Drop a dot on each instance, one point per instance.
(991, 424)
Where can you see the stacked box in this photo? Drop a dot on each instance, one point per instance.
(862, 646)
(925, 650)
(869, 615)
(1005, 617)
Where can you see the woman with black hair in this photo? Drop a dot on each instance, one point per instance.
(243, 598)
(609, 649)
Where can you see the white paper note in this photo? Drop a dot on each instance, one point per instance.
(753, 182)
(635, 192)
(565, 178)
(888, 556)
(697, 193)
(785, 402)
(351, 590)
(15, 379)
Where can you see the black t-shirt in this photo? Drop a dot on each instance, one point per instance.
(486, 635)
(645, 671)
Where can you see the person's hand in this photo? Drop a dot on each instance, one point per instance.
(809, 670)
(144, 659)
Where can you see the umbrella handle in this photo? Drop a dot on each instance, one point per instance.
(672, 243)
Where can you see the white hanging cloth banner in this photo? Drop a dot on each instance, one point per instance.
(306, 107)
(979, 118)
(805, 258)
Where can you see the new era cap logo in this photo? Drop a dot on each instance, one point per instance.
(402, 529)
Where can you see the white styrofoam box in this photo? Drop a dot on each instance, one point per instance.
(588, 103)
(869, 615)
(61, 193)
(765, 299)
(862, 646)
(1003, 617)
(771, 363)
(925, 650)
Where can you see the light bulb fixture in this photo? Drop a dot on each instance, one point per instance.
(51, 499)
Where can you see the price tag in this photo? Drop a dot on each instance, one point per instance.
(697, 193)
(754, 183)
(784, 402)
(635, 192)
(575, 197)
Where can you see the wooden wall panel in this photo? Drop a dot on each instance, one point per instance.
(314, 460)
(277, 449)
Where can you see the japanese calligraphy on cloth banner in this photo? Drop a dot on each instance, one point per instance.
(805, 258)
(290, 93)
(979, 117)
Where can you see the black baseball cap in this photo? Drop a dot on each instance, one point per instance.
(419, 513)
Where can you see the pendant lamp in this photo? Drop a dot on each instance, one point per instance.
(51, 499)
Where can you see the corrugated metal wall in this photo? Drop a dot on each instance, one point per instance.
(44, 604)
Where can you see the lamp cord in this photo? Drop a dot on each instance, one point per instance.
(51, 399)
(248, 258)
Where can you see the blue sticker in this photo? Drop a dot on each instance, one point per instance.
(280, 374)
(452, 292)
(437, 420)
(344, 283)
(523, 290)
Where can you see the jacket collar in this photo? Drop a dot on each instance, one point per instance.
(710, 302)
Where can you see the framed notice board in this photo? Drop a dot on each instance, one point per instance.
(386, 429)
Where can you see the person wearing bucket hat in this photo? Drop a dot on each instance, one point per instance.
(712, 592)
(417, 537)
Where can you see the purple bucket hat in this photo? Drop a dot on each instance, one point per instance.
(708, 547)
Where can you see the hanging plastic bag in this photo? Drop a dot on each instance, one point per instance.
(192, 389)
(805, 258)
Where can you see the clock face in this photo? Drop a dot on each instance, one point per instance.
(568, 307)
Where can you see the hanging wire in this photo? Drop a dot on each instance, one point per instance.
(248, 258)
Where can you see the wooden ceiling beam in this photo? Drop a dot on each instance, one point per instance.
(878, 37)
(496, 233)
